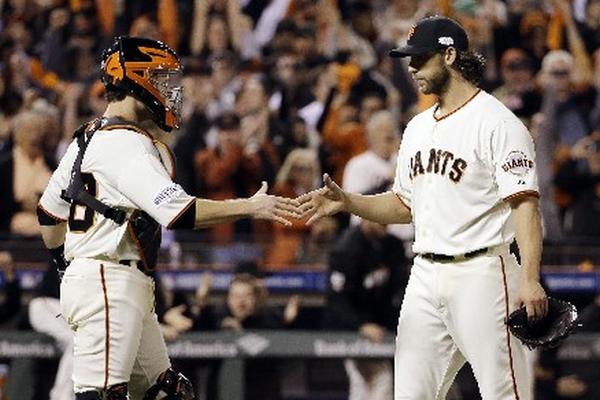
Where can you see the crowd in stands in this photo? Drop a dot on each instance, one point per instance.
(282, 91)
(266, 78)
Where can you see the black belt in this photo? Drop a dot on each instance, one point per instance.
(458, 257)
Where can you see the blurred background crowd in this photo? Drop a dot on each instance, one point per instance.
(282, 91)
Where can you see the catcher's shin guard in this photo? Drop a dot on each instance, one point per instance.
(174, 384)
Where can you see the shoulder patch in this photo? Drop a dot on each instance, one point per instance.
(517, 163)
(167, 194)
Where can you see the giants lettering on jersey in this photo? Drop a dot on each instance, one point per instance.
(440, 162)
(517, 163)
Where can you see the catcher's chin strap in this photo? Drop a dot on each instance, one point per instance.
(175, 385)
(76, 192)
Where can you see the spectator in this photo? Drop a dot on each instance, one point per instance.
(595, 113)
(217, 27)
(341, 34)
(580, 177)
(367, 277)
(396, 19)
(24, 175)
(590, 26)
(344, 128)
(291, 85)
(11, 305)
(299, 174)
(517, 91)
(195, 126)
(226, 83)
(265, 17)
(265, 137)
(563, 122)
(219, 172)
(373, 170)
(246, 308)
(45, 317)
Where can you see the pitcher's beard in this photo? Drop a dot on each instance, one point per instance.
(438, 83)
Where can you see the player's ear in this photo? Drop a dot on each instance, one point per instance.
(450, 55)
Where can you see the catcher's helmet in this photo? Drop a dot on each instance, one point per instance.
(149, 71)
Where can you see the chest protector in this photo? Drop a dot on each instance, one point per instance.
(142, 228)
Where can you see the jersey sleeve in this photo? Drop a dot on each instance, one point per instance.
(51, 202)
(513, 160)
(402, 182)
(146, 183)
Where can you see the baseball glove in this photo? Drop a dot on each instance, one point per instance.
(550, 331)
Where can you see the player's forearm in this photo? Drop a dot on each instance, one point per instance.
(54, 235)
(528, 231)
(384, 208)
(212, 212)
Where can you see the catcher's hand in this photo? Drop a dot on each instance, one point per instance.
(275, 208)
(549, 331)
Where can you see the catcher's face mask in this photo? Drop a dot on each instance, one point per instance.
(149, 71)
(168, 84)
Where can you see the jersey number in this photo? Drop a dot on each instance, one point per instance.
(81, 217)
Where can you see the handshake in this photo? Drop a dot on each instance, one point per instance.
(315, 204)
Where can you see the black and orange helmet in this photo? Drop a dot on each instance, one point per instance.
(148, 70)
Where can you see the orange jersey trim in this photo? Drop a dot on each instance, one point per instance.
(523, 193)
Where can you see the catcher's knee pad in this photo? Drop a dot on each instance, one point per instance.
(89, 395)
(172, 383)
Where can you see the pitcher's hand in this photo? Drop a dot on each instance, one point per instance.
(533, 297)
(319, 203)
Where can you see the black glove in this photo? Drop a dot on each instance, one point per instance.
(548, 332)
(58, 260)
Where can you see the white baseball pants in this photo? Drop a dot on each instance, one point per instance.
(117, 338)
(454, 312)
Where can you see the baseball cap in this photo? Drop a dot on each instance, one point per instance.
(432, 34)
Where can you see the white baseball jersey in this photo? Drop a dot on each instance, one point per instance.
(456, 173)
(125, 169)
